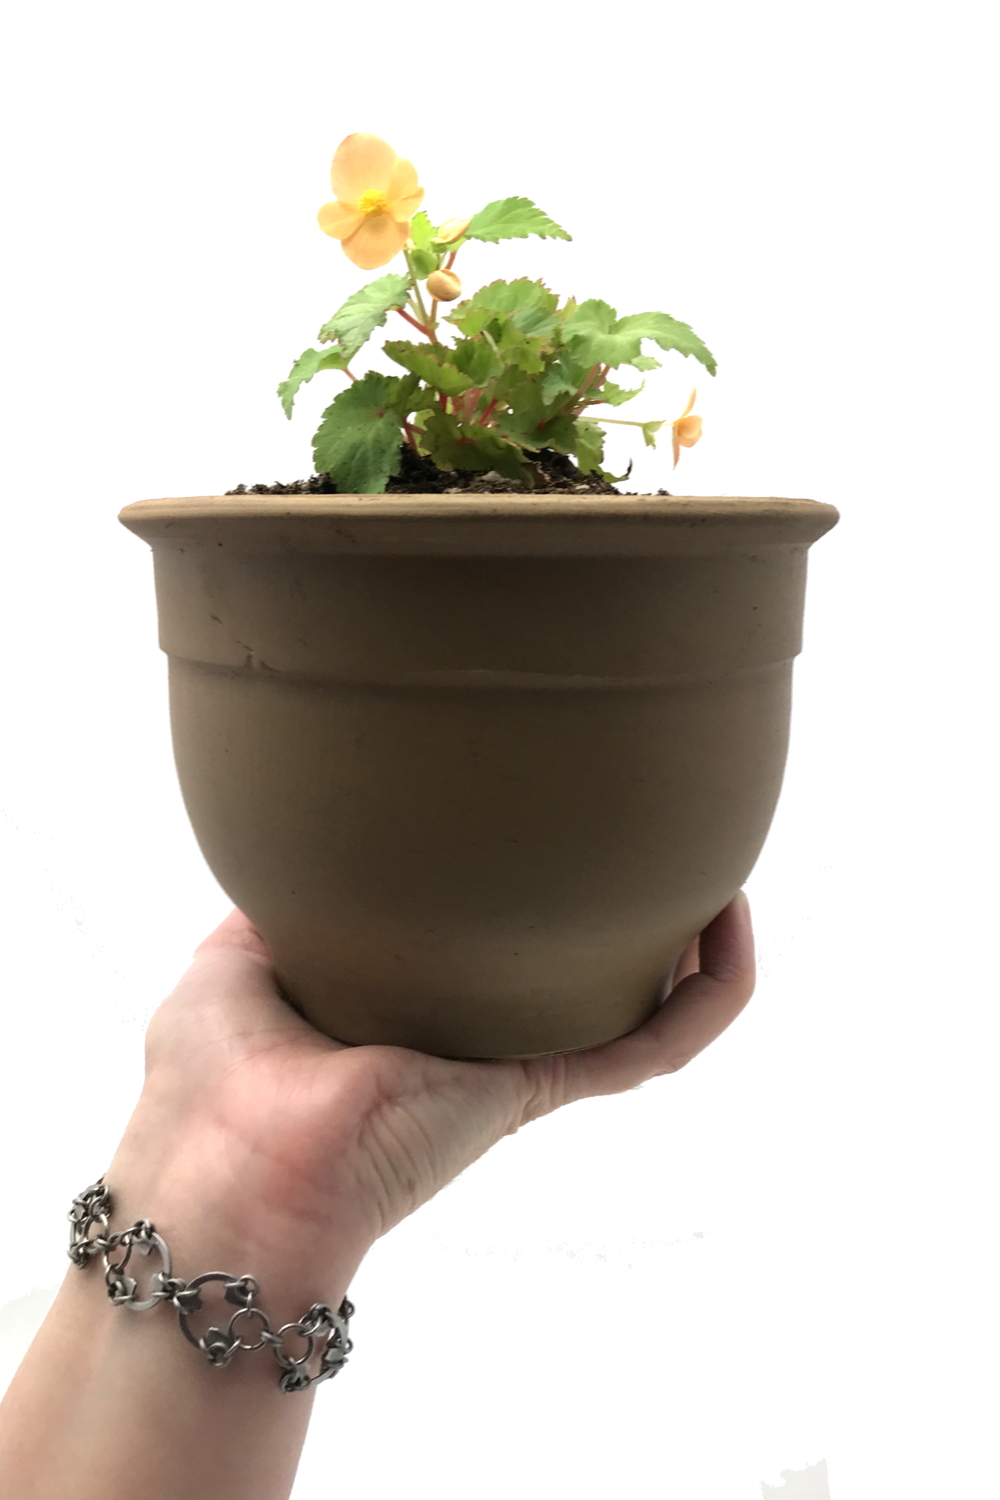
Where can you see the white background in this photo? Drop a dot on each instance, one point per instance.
(787, 1252)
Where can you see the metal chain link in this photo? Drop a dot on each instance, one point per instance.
(320, 1326)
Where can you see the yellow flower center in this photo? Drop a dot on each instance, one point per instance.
(372, 202)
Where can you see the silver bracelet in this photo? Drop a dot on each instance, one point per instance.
(319, 1326)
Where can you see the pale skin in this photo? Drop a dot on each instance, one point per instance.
(260, 1146)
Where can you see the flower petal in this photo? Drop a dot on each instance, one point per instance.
(376, 241)
(677, 446)
(361, 162)
(403, 192)
(402, 179)
(405, 208)
(690, 406)
(338, 220)
(687, 431)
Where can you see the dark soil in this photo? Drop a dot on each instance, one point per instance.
(554, 474)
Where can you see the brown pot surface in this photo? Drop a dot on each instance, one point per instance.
(479, 768)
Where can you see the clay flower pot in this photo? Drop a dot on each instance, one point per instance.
(479, 767)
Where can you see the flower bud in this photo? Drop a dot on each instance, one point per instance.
(452, 229)
(444, 286)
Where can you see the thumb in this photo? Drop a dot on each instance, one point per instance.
(697, 1010)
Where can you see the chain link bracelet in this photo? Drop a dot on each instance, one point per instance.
(319, 1326)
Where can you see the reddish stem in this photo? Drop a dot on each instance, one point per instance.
(587, 382)
(488, 412)
(425, 331)
(409, 435)
(451, 260)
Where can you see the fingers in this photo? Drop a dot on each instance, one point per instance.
(688, 963)
(231, 986)
(235, 931)
(698, 1009)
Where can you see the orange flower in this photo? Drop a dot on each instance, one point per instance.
(377, 194)
(687, 429)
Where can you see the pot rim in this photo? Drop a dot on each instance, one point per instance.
(518, 525)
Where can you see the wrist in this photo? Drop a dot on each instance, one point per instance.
(219, 1207)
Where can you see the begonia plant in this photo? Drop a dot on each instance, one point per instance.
(521, 371)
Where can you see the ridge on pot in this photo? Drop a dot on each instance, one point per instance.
(479, 768)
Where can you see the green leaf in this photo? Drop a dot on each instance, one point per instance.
(596, 335)
(423, 263)
(669, 334)
(615, 395)
(513, 219)
(354, 323)
(645, 362)
(405, 397)
(477, 359)
(559, 433)
(530, 305)
(582, 438)
(562, 377)
(649, 431)
(511, 381)
(305, 367)
(471, 320)
(525, 412)
(358, 442)
(432, 362)
(527, 417)
(421, 231)
(455, 445)
(589, 448)
(517, 348)
(590, 332)
(589, 319)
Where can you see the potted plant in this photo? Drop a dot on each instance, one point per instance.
(478, 742)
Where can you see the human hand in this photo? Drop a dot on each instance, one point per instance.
(326, 1135)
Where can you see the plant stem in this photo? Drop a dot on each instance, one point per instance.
(415, 287)
(488, 412)
(419, 326)
(409, 435)
(620, 422)
(586, 383)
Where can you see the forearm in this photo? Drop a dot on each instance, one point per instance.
(110, 1403)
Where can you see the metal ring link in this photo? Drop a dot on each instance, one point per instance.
(333, 1360)
(217, 1347)
(285, 1360)
(250, 1312)
(295, 1380)
(319, 1320)
(83, 1246)
(122, 1289)
(242, 1291)
(93, 1202)
(90, 1207)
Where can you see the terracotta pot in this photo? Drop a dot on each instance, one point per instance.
(479, 768)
